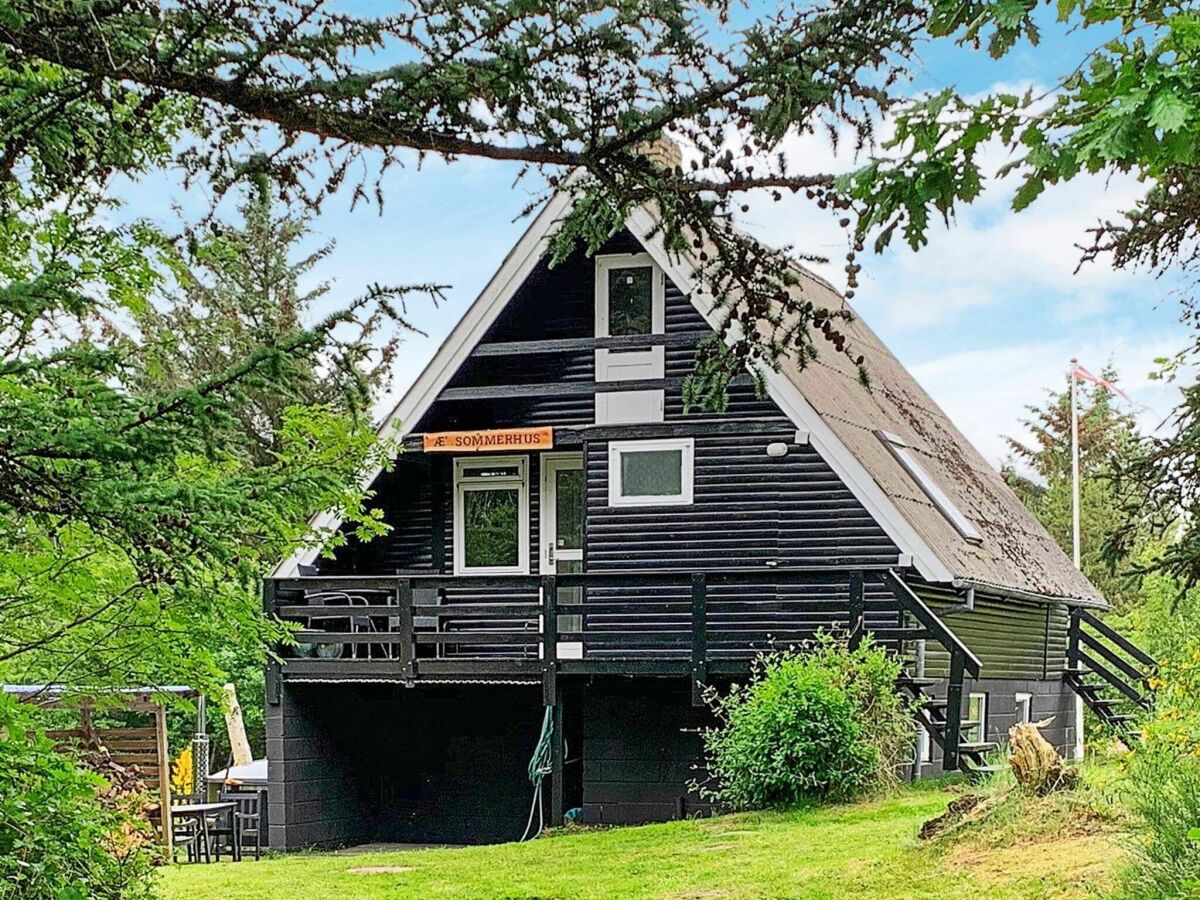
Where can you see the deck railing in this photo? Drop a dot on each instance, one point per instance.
(414, 625)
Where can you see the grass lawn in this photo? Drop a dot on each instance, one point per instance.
(861, 850)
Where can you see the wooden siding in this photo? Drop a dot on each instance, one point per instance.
(1013, 639)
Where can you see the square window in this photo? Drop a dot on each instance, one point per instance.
(491, 530)
(629, 296)
(650, 473)
(491, 515)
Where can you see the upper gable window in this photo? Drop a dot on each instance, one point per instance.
(933, 491)
(629, 295)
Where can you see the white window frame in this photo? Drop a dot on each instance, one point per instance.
(981, 724)
(609, 261)
(464, 483)
(686, 480)
(1025, 698)
(904, 455)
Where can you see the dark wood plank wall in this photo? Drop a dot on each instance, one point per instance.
(749, 509)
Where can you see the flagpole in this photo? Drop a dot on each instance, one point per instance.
(1075, 462)
(1075, 525)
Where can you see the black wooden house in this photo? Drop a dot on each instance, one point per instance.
(565, 538)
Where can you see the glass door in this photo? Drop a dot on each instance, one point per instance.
(561, 534)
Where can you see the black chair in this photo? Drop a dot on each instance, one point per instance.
(246, 821)
(187, 833)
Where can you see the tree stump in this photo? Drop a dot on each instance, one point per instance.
(1036, 765)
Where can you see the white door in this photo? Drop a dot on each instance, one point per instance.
(561, 540)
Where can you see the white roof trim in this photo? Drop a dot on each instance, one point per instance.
(516, 267)
(791, 401)
(453, 351)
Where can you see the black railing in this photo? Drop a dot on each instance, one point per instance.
(1107, 670)
(412, 624)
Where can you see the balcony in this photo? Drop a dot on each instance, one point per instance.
(415, 627)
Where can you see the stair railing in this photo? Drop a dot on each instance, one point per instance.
(962, 662)
(1095, 648)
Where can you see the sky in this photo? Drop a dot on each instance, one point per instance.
(986, 316)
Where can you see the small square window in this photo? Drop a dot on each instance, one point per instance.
(491, 515)
(1024, 708)
(650, 473)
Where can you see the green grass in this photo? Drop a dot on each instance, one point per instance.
(860, 850)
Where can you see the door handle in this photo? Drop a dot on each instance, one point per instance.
(550, 553)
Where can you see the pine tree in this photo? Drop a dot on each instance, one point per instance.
(1040, 473)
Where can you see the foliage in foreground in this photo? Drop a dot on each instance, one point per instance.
(1164, 787)
(821, 722)
(56, 841)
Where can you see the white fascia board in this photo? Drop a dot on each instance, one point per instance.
(641, 223)
(457, 346)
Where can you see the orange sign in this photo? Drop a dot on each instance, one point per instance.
(489, 441)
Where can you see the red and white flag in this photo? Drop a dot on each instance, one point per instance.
(1084, 375)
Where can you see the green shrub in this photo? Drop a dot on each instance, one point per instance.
(56, 840)
(1163, 786)
(820, 722)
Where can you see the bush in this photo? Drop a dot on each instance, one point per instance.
(1163, 787)
(56, 840)
(820, 722)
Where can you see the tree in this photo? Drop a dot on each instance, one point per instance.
(132, 533)
(577, 92)
(234, 288)
(1107, 437)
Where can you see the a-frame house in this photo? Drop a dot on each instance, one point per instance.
(572, 557)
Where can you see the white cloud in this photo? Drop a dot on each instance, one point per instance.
(985, 391)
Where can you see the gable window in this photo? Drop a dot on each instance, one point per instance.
(905, 456)
(491, 515)
(975, 725)
(650, 473)
(629, 295)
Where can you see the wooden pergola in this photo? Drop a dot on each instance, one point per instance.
(146, 747)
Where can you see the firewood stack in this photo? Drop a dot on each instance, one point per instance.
(124, 789)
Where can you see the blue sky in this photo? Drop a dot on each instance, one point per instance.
(986, 316)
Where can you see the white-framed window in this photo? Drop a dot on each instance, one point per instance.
(975, 726)
(629, 295)
(932, 489)
(1024, 708)
(650, 473)
(491, 515)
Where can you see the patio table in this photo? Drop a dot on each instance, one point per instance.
(201, 811)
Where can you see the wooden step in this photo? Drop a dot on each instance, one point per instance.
(890, 635)
(980, 747)
(913, 681)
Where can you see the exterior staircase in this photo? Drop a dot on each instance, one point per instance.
(1110, 673)
(941, 717)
